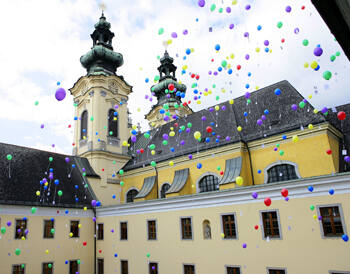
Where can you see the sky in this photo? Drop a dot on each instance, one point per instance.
(43, 41)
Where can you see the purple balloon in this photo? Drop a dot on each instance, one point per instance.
(247, 7)
(93, 203)
(288, 9)
(174, 35)
(211, 109)
(324, 110)
(247, 56)
(182, 142)
(204, 118)
(318, 51)
(67, 159)
(94, 219)
(247, 95)
(188, 130)
(347, 159)
(275, 149)
(8, 223)
(266, 42)
(263, 117)
(112, 230)
(190, 156)
(319, 218)
(166, 118)
(223, 107)
(60, 94)
(259, 122)
(287, 199)
(138, 151)
(296, 30)
(133, 139)
(294, 107)
(42, 126)
(231, 26)
(201, 3)
(165, 136)
(215, 73)
(228, 138)
(246, 34)
(244, 245)
(185, 32)
(209, 72)
(255, 195)
(228, 10)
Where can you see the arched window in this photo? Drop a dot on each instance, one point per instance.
(112, 123)
(280, 173)
(83, 124)
(130, 196)
(209, 183)
(164, 189)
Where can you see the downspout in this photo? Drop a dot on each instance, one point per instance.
(250, 160)
(157, 182)
(94, 210)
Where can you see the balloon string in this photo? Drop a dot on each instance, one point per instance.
(9, 169)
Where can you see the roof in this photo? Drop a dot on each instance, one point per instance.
(20, 178)
(179, 181)
(336, 14)
(224, 123)
(147, 186)
(232, 170)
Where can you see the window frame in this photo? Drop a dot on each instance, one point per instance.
(70, 227)
(262, 224)
(222, 225)
(24, 269)
(160, 190)
(98, 231)
(149, 266)
(121, 266)
(97, 259)
(185, 264)
(26, 227)
(236, 266)
(42, 266)
(53, 235)
(276, 268)
(204, 176)
(280, 162)
(156, 229)
(120, 230)
(126, 195)
(81, 125)
(342, 219)
(181, 232)
(77, 265)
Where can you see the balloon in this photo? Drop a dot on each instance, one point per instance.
(239, 128)
(288, 9)
(171, 163)
(279, 25)
(197, 135)
(9, 157)
(313, 65)
(17, 251)
(152, 146)
(310, 188)
(201, 3)
(267, 201)
(174, 35)
(209, 129)
(345, 238)
(341, 115)
(60, 94)
(121, 172)
(217, 47)
(160, 31)
(59, 193)
(199, 165)
(331, 191)
(256, 227)
(259, 122)
(3, 230)
(278, 91)
(244, 245)
(52, 231)
(347, 159)
(212, 7)
(329, 152)
(318, 51)
(33, 210)
(239, 180)
(295, 138)
(327, 75)
(302, 104)
(312, 207)
(148, 255)
(284, 192)
(153, 163)
(247, 7)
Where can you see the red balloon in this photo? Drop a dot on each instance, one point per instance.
(171, 86)
(193, 75)
(256, 227)
(329, 152)
(197, 77)
(283, 40)
(284, 192)
(238, 67)
(100, 251)
(267, 201)
(141, 150)
(209, 129)
(303, 7)
(84, 243)
(341, 115)
(176, 124)
(221, 173)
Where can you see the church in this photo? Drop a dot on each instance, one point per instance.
(257, 184)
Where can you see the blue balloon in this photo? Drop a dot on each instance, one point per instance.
(188, 51)
(284, 137)
(162, 111)
(278, 91)
(259, 27)
(247, 86)
(113, 196)
(217, 47)
(229, 71)
(207, 139)
(345, 238)
(331, 191)
(219, 68)
(266, 111)
(317, 68)
(57, 182)
(245, 114)
(310, 188)
(146, 80)
(195, 91)
(259, 171)
(266, 49)
(199, 165)
(172, 149)
(249, 74)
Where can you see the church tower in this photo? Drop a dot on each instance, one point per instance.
(169, 93)
(102, 120)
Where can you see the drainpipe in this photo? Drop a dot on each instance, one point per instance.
(94, 210)
(250, 160)
(157, 182)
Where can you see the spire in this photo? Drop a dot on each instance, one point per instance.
(101, 59)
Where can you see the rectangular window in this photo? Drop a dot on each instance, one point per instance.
(100, 266)
(229, 226)
(18, 269)
(152, 230)
(73, 267)
(74, 229)
(332, 222)
(186, 228)
(123, 230)
(270, 224)
(124, 267)
(49, 226)
(153, 268)
(277, 271)
(47, 268)
(99, 231)
(21, 226)
(233, 270)
(189, 269)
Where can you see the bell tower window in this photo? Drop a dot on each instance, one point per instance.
(112, 123)
(83, 125)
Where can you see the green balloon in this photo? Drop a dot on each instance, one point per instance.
(148, 255)
(33, 210)
(221, 10)
(176, 105)
(84, 174)
(189, 125)
(218, 168)
(182, 128)
(337, 53)
(279, 25)
(3, 230)
(60, 193)
(281, 152)
(165, 142)
(249, 101)
(156, 78)
(36, 103)
(17, 251)
(166, 106)
(153, 163)
(121, 172)
(332, 58)
(111, 133)
(212, 7)
(152, 146)
(91, 118)
(217, 97)
(167, 113)
(52, 231)
(160, 31)
(50, 265)
(305, 42)
(78, 261)
(312, 207)
(224, 63)
(327, 75)
(193, 85)
(50, 159)
(146, 135)
(9, 157)
(301, 104)
(121, 183)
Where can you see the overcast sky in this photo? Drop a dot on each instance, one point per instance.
(42, 41)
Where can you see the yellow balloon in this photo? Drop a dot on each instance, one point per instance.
(223, 90)
(315, 111)
(234, 2)
(306, 65)
(172, 133)
(217, 108)
(231, 101)
(47, 251)
(125, 143)
(171, 128)
(239, 180)
(257, 87)
(257, 49)
(239, 128)
(153, 152)
(197, 135)
(205, 93)
(209, 91)
(295, 138)
(37, 193)
(222, 235)
(138, 109)
(153, 124)
(169, 41)
(115, 119)
(23, 238)
(192, 49)
(198, 102)
(71, 234)
(232, 56)
(171, 163)
(310, 126)
(313, 64)
(314, 216)
(85, 208)
(46, 184)
(79, 225)
(310, 96)
(134, 127)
